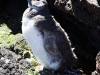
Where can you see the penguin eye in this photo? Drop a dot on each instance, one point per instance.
(44, 2)
(42, 33)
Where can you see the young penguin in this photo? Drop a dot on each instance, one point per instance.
(48, 40)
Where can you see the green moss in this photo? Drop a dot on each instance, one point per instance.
(6, 38)
(32, 72)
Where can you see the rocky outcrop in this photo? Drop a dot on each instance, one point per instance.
(86, 12)
(81, 20)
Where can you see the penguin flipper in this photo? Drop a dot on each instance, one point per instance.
(50, 43)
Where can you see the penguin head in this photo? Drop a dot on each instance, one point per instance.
(37, 4)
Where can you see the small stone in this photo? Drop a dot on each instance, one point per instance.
(9, 56)
(2, 63)
(5, 66)
(13, 71)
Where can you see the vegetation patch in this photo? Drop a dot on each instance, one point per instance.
(6, 37)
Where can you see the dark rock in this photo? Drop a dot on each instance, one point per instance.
(27, 55)
(80, 19)
(88, 18)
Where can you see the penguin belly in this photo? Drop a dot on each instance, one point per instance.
(35, 41)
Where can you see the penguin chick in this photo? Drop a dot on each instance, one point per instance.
(47, 39)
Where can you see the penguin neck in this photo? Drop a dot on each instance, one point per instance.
(35, 8)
